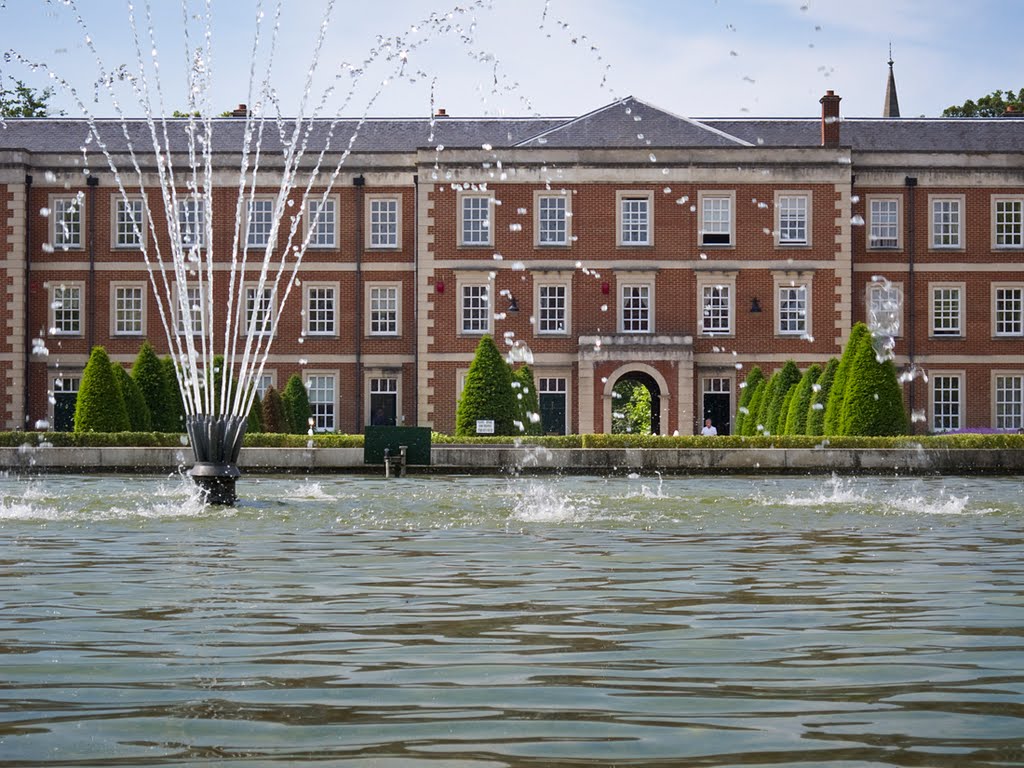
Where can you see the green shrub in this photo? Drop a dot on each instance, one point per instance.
(254, 423)
(174, 412)
(296, 406)
(873, 400)
(834, 404)
(754, 377)
(274, 420)
(148, 376)
(139, 419)
(488, 392)
(750, 421)
(796, 416)
(100, 405)
(527, 404)
(784, 380)
(631, 407)
(780, 429)
(820, 392)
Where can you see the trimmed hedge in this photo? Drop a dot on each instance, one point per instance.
(175, 415)
(750, 421)
(834, 405)
(254, 423)
(527, 402)
(873, 400)
(784, 380)
(488, 392)
(139, 419)
(148, 376)
(274, 419)
(297, 411)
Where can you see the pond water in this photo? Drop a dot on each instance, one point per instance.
(470, 621)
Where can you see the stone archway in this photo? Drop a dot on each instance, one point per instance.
(651, 378)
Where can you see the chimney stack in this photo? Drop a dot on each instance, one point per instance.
(441, 112)
(240, 111)
(830, 119)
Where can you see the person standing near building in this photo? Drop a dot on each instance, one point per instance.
(709, 429)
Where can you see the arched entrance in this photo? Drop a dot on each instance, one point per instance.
(632, 390)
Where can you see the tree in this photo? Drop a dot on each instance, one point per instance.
(273, 411)
(754, 377)
(771, 407)
(148, 375)
(992, 105)
(139, 419)
(820, 391)
(873, 398)
(24, 101)
(752, 420)
(487, 393)
(173, 419)
(528, 410)
(100, 405)
(834, 405)
(297, 411)
(796, 416)
(255, 421)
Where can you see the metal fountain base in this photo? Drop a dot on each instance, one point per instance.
(216, 443)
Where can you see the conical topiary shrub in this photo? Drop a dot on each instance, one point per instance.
(754, 377)
(752, 420)
(139, 419)
(785, 379)
(100, 405)
(815, 424)
(796, 417)
(148, 376)
(254, 423)
(487, 394)
(273, 412)
(173, 412)
(528, 407)
(834, 405)
(873, 400)
(296, 405)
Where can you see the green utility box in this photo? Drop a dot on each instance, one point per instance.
(416, 440)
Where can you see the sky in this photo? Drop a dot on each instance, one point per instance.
(699, 58)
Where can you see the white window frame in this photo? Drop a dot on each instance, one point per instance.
(539, 219)
(933, 315)
(115, 309)
(1016, 329)
(373, 288)
(545, 280)
(197, 314)
(480, 280)
(879, 243)
(705, 200)
(714, 280)
(487, 225)
(122, 234)
(57, 292)
(630, 282)
(192, 210)
(58, 204)
(871, 290)
(1007, 413)
(265, 207)
(326, 422)
(325, 235)
(249, 308)
(798, 293)
(644, 218)
(941, 206)
(378, 239)
(938, 377)
(309, 309)
(783, 198)
(1013, 231)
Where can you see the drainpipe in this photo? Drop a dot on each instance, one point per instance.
(416, 302)
(28, 284)
(359, 182)
(92, 183)
(911, 183)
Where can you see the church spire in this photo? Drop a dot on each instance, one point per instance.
(892, 103)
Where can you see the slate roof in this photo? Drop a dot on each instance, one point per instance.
(614, 126)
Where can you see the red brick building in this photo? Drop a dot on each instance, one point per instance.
(628, 242)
